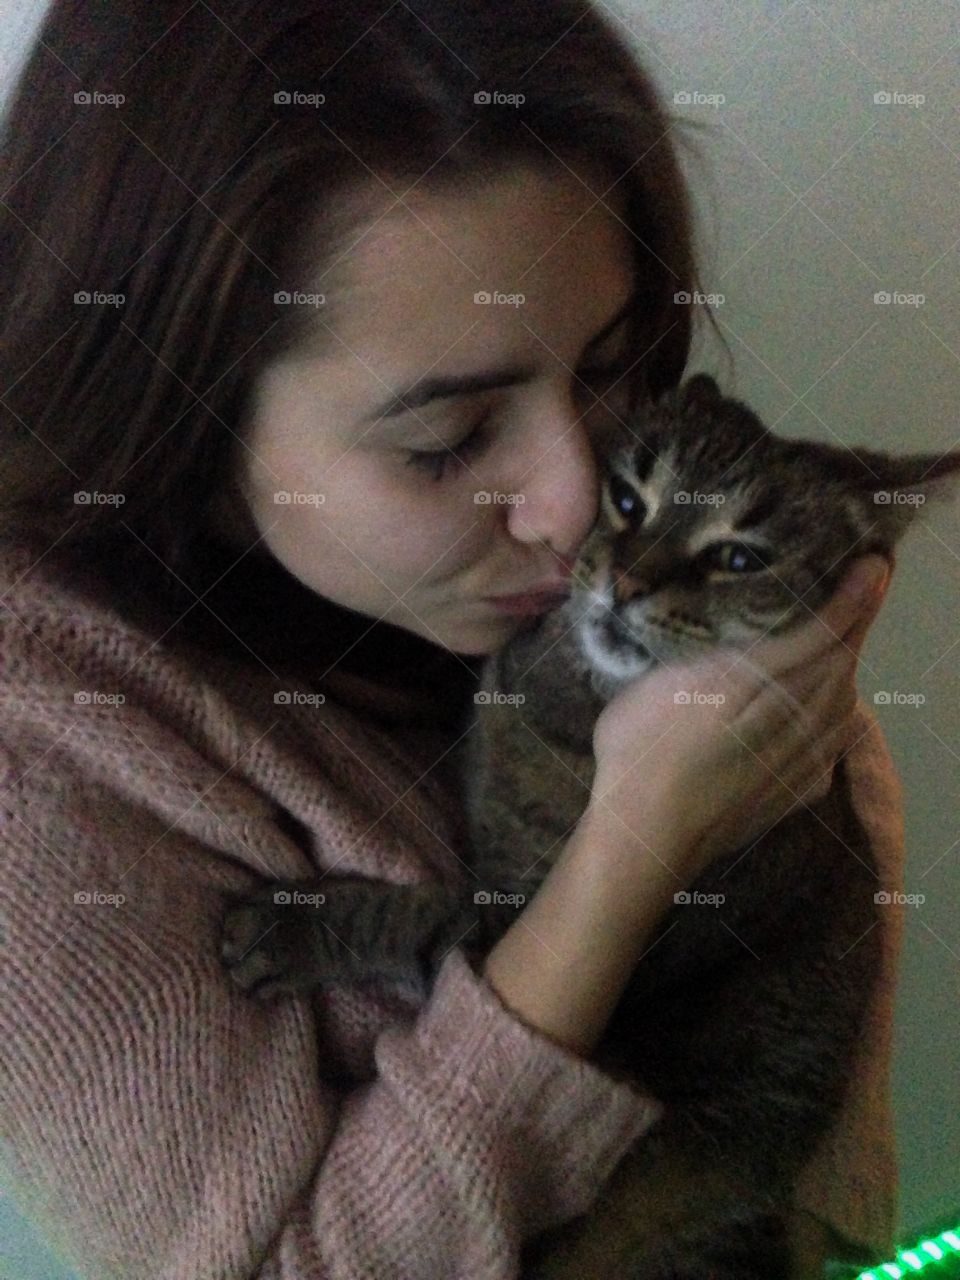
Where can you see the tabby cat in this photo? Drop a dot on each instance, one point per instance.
(743, 1017)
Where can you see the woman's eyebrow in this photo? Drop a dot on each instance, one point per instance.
(440, 388)
(425, 390)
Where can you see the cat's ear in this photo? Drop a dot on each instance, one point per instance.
(892, 491)
(698, 392)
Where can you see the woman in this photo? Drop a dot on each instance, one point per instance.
(248, 595)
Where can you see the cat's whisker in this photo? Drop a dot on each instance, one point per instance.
(693, 630)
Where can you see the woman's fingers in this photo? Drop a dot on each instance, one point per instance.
(853, 605)
(856, 635)
(819, 779)
(827, 685)
(844, 619)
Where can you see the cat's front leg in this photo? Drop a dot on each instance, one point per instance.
(293, 935)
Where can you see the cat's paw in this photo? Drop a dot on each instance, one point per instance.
(268, 940)
(292, 935)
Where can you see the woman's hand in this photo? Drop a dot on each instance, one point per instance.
(699, 779)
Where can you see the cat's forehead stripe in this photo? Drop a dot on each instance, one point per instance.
(758, 510)
(642, 462)
(660, 483)
(664, 482)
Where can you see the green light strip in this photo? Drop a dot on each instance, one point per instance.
(917, 1258)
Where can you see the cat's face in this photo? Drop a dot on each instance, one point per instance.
(714, 532)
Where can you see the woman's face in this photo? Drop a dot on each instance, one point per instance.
(406, 539)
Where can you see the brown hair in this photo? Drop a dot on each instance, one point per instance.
(190, 198)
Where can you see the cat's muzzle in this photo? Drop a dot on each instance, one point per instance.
(613, 649)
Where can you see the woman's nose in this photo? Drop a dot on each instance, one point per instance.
(559, 494)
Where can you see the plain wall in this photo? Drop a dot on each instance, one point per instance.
(812, 198)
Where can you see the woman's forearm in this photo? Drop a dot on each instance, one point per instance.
(564, 962)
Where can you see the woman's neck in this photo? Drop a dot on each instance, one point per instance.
(366, 694)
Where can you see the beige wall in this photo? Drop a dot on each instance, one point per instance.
(812, 198)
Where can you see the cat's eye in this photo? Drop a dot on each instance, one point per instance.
(625, 501)
(735, 557)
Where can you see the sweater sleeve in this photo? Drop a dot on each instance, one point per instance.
(158, 1123)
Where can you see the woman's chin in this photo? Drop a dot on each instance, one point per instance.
(489, 637)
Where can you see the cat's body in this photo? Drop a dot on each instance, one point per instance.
(743, 1015)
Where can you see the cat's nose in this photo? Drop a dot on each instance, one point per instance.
(630, 586)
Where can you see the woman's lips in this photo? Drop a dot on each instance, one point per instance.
(532, 602)
(548, 587)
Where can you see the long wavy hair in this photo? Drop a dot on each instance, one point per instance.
(174, 156)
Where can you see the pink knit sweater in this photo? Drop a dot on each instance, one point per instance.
(156, 1122)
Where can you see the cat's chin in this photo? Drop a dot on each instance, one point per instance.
(616, 652)
(612, 663)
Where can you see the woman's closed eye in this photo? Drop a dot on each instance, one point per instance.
(436, 461)
(473, 444)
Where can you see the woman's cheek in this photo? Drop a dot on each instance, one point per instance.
(433, 527)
